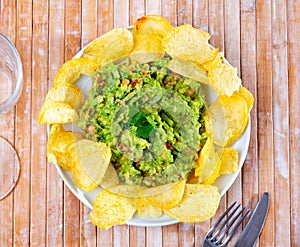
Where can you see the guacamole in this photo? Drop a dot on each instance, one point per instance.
(150, 117)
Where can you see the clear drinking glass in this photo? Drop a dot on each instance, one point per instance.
(11, 84)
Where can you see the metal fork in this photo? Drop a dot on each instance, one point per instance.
(216, 234)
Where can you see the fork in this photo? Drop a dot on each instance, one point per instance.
(216, 234)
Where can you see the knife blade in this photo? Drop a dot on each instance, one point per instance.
(255, 224)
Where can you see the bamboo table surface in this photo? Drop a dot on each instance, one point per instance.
(261, 38)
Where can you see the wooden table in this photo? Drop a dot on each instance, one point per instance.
(261, 38)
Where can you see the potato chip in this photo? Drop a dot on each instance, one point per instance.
(58, 143)
(110, 209)
(208, 163)
(189, 43)
(67, 93)
(110, 179)
(113, 45)
(247, 95)
(147, 43)
(188, 69)
(169, 198)
(91, 160)
(226, 119)
(224, 79)
(199, 203)
(57, 113)
(61, 145)
(152, 25)
(55, 130)
(215, 62)
(135, 191)
(71, 70)
(229, 160)
(147, 211)
(146, 48)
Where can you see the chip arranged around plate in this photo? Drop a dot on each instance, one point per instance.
(148, 137)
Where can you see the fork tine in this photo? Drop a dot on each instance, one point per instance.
(229, 226)
(219, 220)
(235, 228)
(225, 222)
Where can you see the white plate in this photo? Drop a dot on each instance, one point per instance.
(223, 183)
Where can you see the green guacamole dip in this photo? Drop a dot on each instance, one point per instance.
(150, 117)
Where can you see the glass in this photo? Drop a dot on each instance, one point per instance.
(11, 84)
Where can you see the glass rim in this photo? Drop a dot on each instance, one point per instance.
(19, 85)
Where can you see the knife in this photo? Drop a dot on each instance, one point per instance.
(255, 224)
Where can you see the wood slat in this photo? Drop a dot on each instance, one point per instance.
(105, 23)
(200, 20)
(185, 12)
(153, 7)
(265, 112)
(7, 27)
(154, 236)
(38, 205)
(89, 21)
(136, 10)
(72, 46)
(55, 208)
(137, 236)
(105, 237)
(23, 127)
(88, 232)
(216, 30)
(170, 235)
(281, 123)
(249, 80)
(186, 234)
(293, 32)
(121, 19)
(216, 23)
(233, 55)
(121, 13)
(200, 14)
(121, 235)
(168, 11)
(105, 17)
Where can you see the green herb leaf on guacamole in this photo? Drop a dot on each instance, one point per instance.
(143, 123)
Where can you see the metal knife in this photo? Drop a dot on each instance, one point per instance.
(255, 224)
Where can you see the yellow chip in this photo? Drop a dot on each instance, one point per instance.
(71, 70)
(110, 179)
(55, 130)
(226, 119)
(147, 43)
(146, 48)
(199, 203)
(147, 211)
(229, 160)
(208, 163)
(67, 93)
(135, 191)
(152, 25)
(188, 69)
(60, 148)
(224, 79)
(216, 61)
(113, 45)
(57, 113)
(110, 209)
(189, 43)
(169, 198)
(247, 95)
(91, 160)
